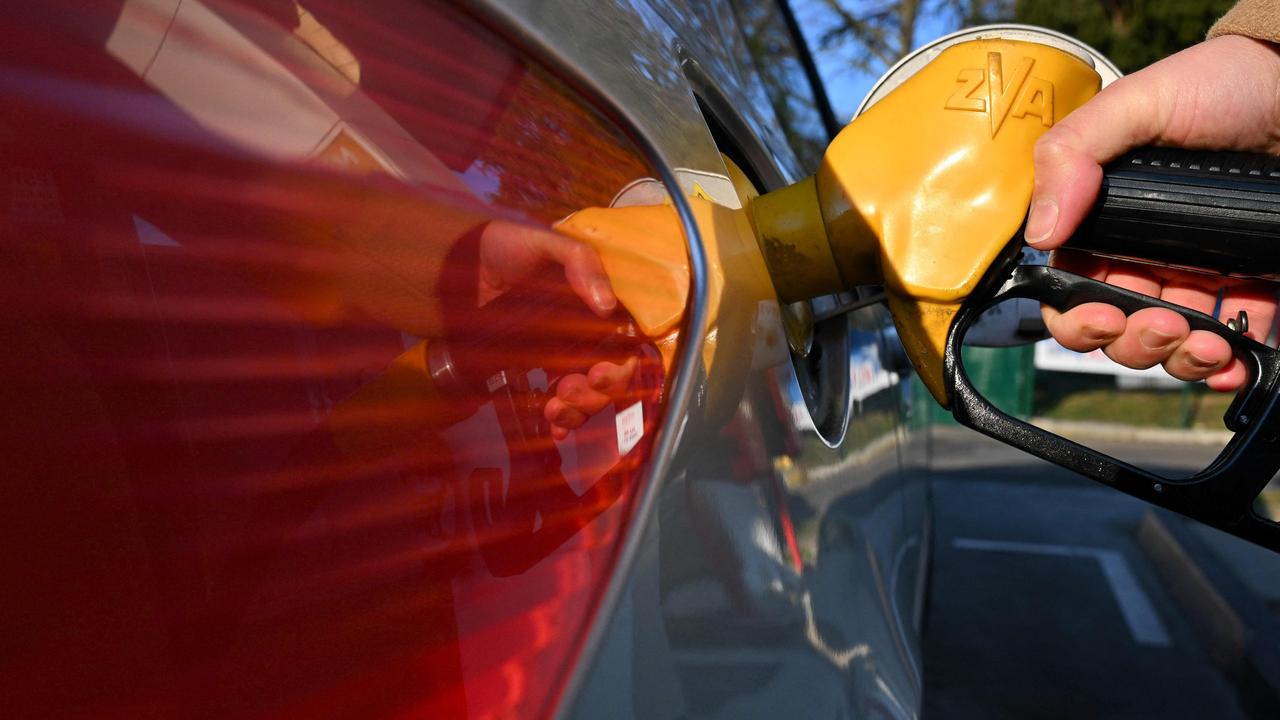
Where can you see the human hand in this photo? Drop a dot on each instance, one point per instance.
(1221, 94)
(510, 253)
(578, 396)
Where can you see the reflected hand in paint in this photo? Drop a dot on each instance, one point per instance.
(237, 481)
(578, 397)
(509, 255)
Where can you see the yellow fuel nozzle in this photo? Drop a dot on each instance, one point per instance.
(923, 191)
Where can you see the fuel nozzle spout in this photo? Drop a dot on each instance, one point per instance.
(925, 191)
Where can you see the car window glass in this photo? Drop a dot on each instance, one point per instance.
(780, 70)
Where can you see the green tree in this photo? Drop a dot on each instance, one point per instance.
(1133, 33)
(871, 35)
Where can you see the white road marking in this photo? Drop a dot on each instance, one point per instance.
(1139, 614)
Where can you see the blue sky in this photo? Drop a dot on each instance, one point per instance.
(845, 85)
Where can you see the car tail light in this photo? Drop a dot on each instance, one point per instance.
(273, 430)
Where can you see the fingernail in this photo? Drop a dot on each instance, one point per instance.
(1155, 340)
(1096, 334)
(1042, 221)
(569, 394)
(1200, 363)
(602, 295)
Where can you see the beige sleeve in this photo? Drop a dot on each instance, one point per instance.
(1258, 19)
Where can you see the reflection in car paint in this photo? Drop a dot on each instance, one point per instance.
(240, 236)
(278, 434)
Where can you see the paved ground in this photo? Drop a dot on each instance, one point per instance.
(1042, 604)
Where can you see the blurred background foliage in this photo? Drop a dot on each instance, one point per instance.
(855, 41)
(1133, 34)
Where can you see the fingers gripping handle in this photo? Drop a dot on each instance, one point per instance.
(1222, 494)
(1211, 211)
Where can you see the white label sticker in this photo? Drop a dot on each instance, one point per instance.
(630, 424)
(497, 381)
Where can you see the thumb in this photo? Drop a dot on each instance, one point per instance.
(583, 268)
(1067, 181)
(1069, 157)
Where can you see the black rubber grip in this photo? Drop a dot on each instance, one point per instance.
(1210, 211)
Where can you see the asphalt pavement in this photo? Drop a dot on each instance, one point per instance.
(1042, 603)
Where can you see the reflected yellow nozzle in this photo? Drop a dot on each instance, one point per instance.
(923, 191)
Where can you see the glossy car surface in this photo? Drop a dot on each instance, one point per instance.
(285, 328)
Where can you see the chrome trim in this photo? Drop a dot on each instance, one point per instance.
(508, 24)
(712, 99)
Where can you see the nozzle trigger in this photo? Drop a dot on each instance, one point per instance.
(1222, 495)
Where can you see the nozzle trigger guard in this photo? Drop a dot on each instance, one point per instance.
(1222, 494)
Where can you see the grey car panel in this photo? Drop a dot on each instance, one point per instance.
(778, 573)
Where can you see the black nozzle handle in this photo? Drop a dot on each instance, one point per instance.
(1216, 212)
(1221, 495)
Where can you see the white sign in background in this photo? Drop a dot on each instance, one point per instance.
(1050, 355)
